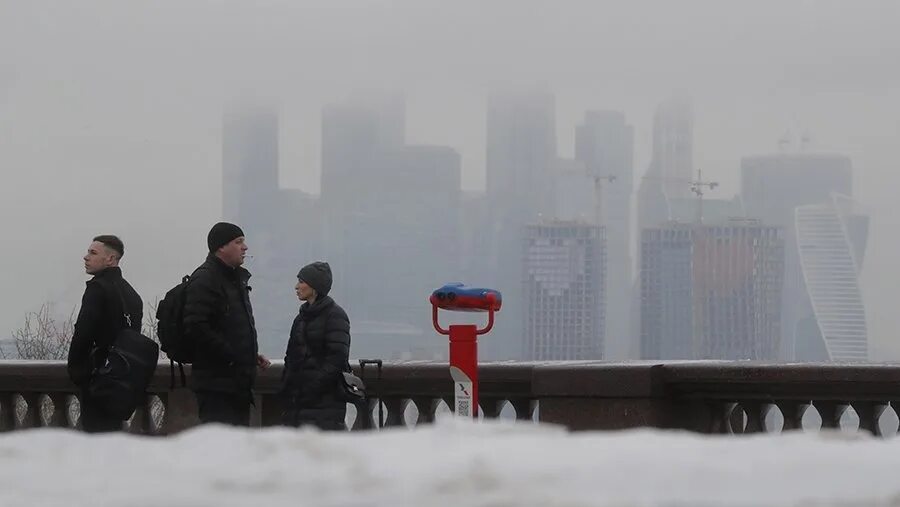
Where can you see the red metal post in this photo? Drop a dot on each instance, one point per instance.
(464, 368)
(464, 361)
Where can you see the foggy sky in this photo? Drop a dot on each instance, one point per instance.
(110, 112)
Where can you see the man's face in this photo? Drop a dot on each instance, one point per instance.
(233, 253)
(99, 257)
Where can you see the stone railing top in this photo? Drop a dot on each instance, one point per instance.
(568, 379)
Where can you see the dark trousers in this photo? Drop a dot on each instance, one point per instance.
(224, 408)
(94, 418)
(325, 420)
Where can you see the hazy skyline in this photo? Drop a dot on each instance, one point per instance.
(111, 113)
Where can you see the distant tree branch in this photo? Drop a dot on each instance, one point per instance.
(43, 336)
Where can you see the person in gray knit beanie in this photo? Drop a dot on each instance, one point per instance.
(318, 276)
(317, 353)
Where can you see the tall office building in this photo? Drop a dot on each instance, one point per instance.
(521, 155)
(831, 242)
(352, 133)
(604, 143)
(521, 150)
(250, 166)
(406, 242)
(773, 188)
(564, 291)
(711, 291)
(671, 168)
(391, 224)
(355, 137)
(251, 198)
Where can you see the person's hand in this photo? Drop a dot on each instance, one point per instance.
(262, 362)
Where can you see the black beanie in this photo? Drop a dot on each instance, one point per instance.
(221, 234)
(318, 276)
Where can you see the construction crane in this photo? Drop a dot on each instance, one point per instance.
(697, 187)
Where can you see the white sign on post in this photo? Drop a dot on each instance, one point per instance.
(462, 393)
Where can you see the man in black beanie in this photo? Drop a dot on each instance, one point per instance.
(218, 319)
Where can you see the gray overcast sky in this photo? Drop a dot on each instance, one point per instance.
(110, 111)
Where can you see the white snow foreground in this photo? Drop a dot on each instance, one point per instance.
(453, 463)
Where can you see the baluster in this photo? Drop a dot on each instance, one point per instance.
(491, 407)
(524, 408)
(895, 405)
(156, 413)
(164, 412)
(77, 422)
(395, 408)
(869, 413)
(756, 416)
(719, 413)
(358, 422)
(60, 416)
(830, 412)
(32, 418)
(735, 419)
(426, 408)
(7, 412)
(451, 404)
(792, 411)
(364, 414)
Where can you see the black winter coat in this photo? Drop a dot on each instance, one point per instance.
(318, 351)
(100, 320)
(218, 319)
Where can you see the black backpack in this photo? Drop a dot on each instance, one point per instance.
(170, 329)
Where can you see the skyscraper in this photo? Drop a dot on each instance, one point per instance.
(671, 168)
(391, 224)
(351, 133)
(605, 144)
(406, 242)
(250, 166)
(831, 242)
(711, 291)
(521, 155)
(521, 150)
(564, 291)
(355, 137)
(773, 187)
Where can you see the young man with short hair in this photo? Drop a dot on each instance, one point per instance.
(100, 319)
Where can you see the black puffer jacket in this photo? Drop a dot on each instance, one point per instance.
(317, 353)
(99, 321)
(218, 319)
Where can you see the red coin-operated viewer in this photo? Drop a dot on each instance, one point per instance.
(464, 338)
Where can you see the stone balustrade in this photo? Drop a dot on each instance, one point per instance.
(702, 396)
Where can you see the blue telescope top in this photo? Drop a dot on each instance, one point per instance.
(461, 298)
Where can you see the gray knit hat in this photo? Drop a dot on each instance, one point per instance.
(318, 276)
